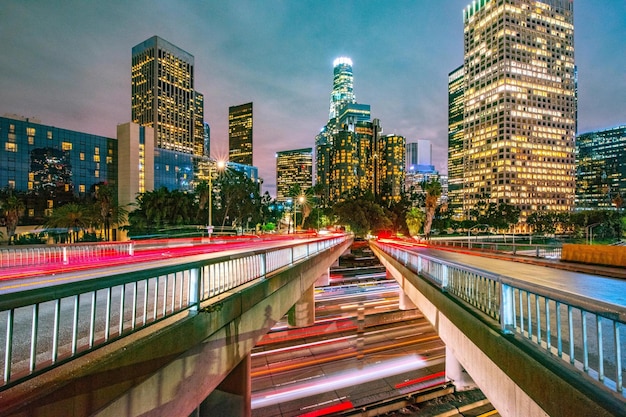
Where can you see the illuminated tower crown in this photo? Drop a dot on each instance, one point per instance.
(343, 86)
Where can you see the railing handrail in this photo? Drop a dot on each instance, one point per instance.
(146, 295)
(501, 304)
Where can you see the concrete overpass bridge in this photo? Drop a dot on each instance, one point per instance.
(173, 337)
(165, 337)
(537, 341)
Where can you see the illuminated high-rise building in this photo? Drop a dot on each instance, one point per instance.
(519, 116)
(163, 96)
(418, 165)
(391, 160)
(601, 169)
(293, 168)
(455, 142)
(240, 134)
(343, 86)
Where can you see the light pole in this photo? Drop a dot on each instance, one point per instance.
(219, 165)
(590, 232)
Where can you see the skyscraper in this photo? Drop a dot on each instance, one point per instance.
(391, 156)
(343, 85)
(293, 168)
(519, 115)
(455, 142)
(240, 134)
(601, 168)
(163, 96)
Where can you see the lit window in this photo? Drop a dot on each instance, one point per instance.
(67, 187)
(49, 134)
(96, 174)
(31, 140)
(96, 158)
(66, 146)
(82, 156)
(96, 150)
(31, 212)
(30, 131)
(81, 188)
(10, 147)
(30, 185)
(50, 204)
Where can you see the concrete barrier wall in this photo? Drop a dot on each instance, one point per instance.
(595, 254)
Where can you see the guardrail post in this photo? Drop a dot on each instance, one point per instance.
(194, 289)
(507, 309)
(444, 277)
(131, 249)
(65, 260)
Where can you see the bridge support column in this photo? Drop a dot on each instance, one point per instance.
(233, 396)
(457, 374)
(405, 303)
(302, 314)
(324, 279)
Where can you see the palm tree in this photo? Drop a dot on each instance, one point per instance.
(109, 212)
(73, 217)
(13, 208)
(433, 192)
(414, 220)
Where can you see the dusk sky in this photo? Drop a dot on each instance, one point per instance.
(67, 63)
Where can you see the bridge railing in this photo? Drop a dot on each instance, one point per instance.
(62, 254)
(46, 327)
(529, 249)
(586, 334)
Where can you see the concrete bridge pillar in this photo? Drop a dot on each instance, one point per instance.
(302, 313)
(457, 374)
(404, 302)
(233, 395)
(324, 279)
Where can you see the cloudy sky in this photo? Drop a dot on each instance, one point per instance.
(67, 63)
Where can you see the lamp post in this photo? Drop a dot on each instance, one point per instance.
(590, 232)
(219, 165)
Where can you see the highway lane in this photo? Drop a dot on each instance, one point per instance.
(349, 355)
(609, 290)
(17, 279)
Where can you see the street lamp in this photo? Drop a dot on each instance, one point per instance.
(470, 230)
(219, 165)
(589, 230)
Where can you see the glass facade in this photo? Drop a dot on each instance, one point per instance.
(240, 134)
(455, 142)
(163, 96)
(391, 159)
(519, 116)
(601, 168)
(59, 163)
(293, 168)
(343, 86)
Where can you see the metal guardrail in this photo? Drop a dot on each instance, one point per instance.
(62, 254)
(536, 250)
(49, 326)
(586, 334)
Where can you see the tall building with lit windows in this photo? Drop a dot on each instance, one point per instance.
(601, 169)
(455, 142)
(163, 96)
(343, 86)
(519, 99)
(391, 161)
(240, 134)
(293, 168)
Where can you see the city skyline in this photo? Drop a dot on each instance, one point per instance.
(67, 64)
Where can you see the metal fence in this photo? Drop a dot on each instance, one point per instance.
(586, 334)
(62, 254)
(48, 326)
(528, 249)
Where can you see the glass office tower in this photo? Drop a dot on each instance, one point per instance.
(293, 168)
(601, 169)
(240, 134)
(343, 85)
(519, 116)
(455, 142)
(163, 96)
